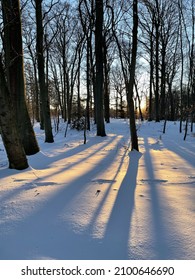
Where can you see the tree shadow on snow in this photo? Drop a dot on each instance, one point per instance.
(117, 235)
(37, 234)
(162, 236)
(186, 151)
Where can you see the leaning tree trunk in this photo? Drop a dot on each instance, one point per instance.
(15, 73)
(99, 69)
(8, 127)
(44, 98)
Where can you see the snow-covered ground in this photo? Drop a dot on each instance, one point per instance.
(99, 200)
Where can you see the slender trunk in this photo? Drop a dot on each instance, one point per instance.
(79, 88)
(134, 139)
(68, 99)
(172, 105)
(186, 127)
(182, 73)
(37, 107)
(88, 85)
(106, 83)
(64, 85)
(44, 98)
(151, 77)
(99, 69)
(157, 73)
(139, 103)
(37, 101)
(163, 81)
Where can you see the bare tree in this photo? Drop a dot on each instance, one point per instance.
(99, 68)
(127, 56)
(8, 127)
(134, 139)
(44, 97)
(13, 47)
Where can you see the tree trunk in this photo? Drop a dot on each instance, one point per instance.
(134, 139)
(9, 129)
(139, 103)
(150, 111)
(99, 69)
(89, 81)
(44, 98)
(15, 73)
(106, 83)
(163, 82)
(37, 103)
(157, 73)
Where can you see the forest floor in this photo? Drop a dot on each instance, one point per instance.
(100, 200)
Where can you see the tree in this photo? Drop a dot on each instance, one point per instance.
(87, 18)
(117, 81)
(8, 127)
(99, 68)
(61, 44)
(159, 22)
(147, 28)
(134, 139)
(13, 48)
(29, 39)
(44, 97)
(127, 56)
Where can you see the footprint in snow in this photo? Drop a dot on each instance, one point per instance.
(154, 180)
(97, 192)
(103, 181)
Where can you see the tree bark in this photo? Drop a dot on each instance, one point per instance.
(15, 73)
(150, 112)
(157, 73)
(106, 82)
(9, 129)
(134, 139)
(44, 98)
(99, 69)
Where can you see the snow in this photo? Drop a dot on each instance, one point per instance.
(100, 200)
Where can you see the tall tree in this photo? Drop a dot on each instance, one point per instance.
(8, 127)
(130, 94)
(86, 13)
(157, 40)
(146, 21)
(44, 96)
(128, 56)
(15, 72)
(99, 68)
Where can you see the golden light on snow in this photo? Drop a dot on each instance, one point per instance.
(100, 199)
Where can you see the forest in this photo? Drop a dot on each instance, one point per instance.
(97, 94)
(80, 60)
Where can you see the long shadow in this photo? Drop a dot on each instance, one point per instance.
(68, 165)
(43, 161)
(39, 227)
(106, 194)
(117, 234)
(160, 230)
(188, 154)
